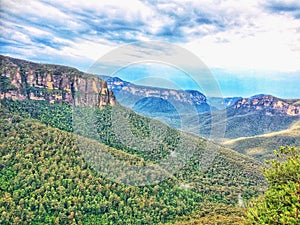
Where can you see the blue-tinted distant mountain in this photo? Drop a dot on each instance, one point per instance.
(222, 103)
(259, 114)
(167, 105)
(267, 104)
(153, 105)
(128, 94)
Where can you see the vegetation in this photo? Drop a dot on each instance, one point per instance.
(281, 202)
(212, 214)
(247, 124)
(56, 163)
(47, 178)
(5, 85)
(262, 146)
(56, 115)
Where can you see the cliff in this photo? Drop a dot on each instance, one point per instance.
(269, 104)
(23, 80)
(129, 94)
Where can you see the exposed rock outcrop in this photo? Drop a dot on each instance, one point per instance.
(21, 80)
(128, 94)
(268, 103)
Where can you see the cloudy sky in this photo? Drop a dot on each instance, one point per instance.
(250, 46)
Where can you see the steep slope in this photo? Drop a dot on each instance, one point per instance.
(64, 187)
(259, 115)
(262, 146)
(47, 177)
(22, 80)
(223, 166)
(153, 105)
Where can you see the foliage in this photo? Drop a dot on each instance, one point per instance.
(281, 202)
(45, 180)
(57, 115)
(5, 85)
(262, 146)
(42, 160)
(212, 214)
(226, 175)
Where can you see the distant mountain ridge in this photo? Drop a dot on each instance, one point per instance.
(128, 94)
(271, 105)
(152, 105)
(222, 103)
(256, 115)
(260, 114)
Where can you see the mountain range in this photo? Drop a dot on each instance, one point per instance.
(244, 117)
(61, 127)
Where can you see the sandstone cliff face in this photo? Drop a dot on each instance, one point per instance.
(129, 94)
(270, 104)
(21, 80)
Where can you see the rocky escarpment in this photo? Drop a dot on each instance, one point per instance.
(23, 80)
(269, 104)
(128, 94)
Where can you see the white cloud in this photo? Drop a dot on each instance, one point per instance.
(223, 33)
(265, 41)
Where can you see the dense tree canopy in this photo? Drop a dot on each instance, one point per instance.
(281, 202)
(46, 179)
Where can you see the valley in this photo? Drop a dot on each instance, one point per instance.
(71, 153)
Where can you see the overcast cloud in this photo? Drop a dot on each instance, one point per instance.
(225, 34)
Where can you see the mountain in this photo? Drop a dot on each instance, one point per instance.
(267, 104)
(151, 105)
(242, 117)
(222, 103)
(295, 102)
(51, 152)
(47, 179)
(128, 94)
(252, 116)
(259, 115)
(24, 80)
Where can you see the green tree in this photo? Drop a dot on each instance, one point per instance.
(281, 202)
(5, 85)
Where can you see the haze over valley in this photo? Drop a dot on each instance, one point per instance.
(150, 112)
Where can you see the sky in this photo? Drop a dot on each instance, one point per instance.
(250, 47)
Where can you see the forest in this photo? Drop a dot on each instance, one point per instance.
(46, 178)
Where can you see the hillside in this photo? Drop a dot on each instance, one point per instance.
(56, 161)
(45, 179)
(52, 168)
(56, 168)
(268, 104)
(262, 146)
(295, 102)
(260, 115)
